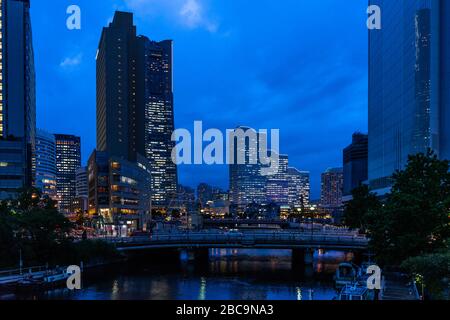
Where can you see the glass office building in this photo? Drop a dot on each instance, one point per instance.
(46, 163)
(17, 98)
(68, 161)
(409, 88)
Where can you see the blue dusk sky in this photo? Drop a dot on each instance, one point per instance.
(296, 65)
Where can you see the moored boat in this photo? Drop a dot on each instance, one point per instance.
(346, 274)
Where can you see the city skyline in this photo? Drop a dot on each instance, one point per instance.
(298, 92)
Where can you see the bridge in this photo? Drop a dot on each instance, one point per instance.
(249, 222)
(278, 239)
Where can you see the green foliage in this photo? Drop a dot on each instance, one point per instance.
(357, 212)
(432, 271)
(415, 218)
(32, 226)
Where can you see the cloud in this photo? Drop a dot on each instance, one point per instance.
(70, 62)
(191, 14)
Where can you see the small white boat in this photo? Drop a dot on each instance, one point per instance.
(346, 274)
(355, 292)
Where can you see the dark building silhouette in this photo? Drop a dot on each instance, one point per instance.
(355, 158)
(17, 98)
(135, 102)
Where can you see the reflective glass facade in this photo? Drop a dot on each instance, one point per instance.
(408, 85)
(17, 98)
(46, 163)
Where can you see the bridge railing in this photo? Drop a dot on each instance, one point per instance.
(260, 238)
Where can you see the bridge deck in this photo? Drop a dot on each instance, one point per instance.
(278, 240)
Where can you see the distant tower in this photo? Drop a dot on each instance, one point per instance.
(68, 160)
(299, 187)
(332, 183)
(355, 163)
(46, 163)
(277, 185)
(247, 184)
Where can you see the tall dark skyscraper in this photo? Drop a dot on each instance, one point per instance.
(355, 163)
(409, 85)
(68, 161)
(17, 97)
(135, 102)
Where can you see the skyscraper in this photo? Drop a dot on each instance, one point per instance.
(409, 85)
(355, 163)
(17, 97)
(81, 182)
(68, 160)
(331, 187)
(299, 187)
(277, 185)
(46, 163)
(135, 102)
(247, 184)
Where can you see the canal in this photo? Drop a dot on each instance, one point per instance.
(236, 274)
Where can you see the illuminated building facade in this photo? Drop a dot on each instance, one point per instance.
(277, 185)
(247, 184)
(68, 160)
(46, 163)
(135, 102)
(17, 98)
(119, 195)
(331, 187)
(299, 187)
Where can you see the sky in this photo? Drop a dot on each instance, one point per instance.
(295, 65)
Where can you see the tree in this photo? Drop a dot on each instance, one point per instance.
(432, 271)
(358, 210)
(415, 217)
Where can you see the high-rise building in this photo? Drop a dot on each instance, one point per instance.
(46, 163)
(68, 160)
(331, 187)
(119, 193)
(409, 85)
(277, 185)
(135, 102)
(81, 186)
(80, 202)
(17, 98)
(355, 163)
(299, 188)
(247, 184)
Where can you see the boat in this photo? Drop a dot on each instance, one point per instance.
(50, 279)
(346, 274)
(355, 292)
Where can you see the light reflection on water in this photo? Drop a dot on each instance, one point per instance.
(230, 274)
